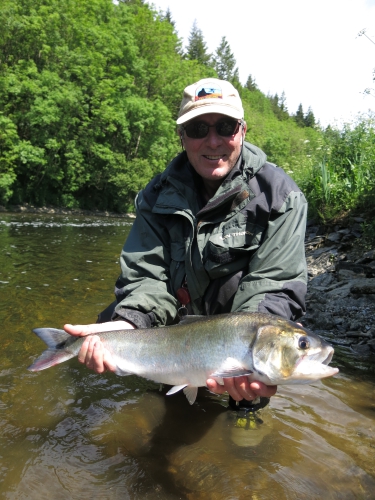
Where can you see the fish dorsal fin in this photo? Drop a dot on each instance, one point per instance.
(231, 368)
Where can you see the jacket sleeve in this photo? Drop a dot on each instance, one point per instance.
(143, 288)
(276, 281)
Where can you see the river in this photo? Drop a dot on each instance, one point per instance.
(67, 433)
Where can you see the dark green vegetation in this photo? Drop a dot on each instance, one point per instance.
(89, 92)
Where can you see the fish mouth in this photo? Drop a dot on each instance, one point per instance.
(328, 359)
(315, 366)
(322, 356)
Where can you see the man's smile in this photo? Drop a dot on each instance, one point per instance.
(212, 157)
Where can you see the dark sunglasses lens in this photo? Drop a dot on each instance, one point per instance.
(199, 130)
(227, 128)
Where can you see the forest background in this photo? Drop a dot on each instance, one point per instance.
(89, 94)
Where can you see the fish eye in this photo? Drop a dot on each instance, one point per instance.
(303, 343)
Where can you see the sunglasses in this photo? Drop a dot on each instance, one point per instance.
(224, 128)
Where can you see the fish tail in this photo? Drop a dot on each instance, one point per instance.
(56, 353)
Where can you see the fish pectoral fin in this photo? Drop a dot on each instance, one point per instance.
(231, 368)
(191, 393)
(175, 389)
(122, 373)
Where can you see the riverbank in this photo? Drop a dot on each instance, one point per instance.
(341, 288)
(31, 209)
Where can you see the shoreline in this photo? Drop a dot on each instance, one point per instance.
(50, 210)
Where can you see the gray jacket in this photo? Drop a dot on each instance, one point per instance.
(242, 251)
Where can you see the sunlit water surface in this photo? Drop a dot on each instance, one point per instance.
(67, 433)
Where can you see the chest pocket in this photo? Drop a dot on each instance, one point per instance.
(177, 266)
(177, 229)
(230, 247)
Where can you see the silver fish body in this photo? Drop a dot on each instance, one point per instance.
(262, 346)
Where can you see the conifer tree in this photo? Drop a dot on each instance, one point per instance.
(251, 84)
(225, 62)
(310, 118)
(299, 117)
(168, 17)
(282, 103)
(278, 105)
(197, 47)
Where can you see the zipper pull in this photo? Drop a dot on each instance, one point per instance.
(183, 296)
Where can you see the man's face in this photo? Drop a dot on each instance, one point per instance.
(214, 156)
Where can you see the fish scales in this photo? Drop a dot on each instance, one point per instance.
(178, 354)
(262, 346)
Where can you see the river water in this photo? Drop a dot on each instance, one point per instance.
(67, 433)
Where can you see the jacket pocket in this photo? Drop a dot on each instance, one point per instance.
(231, 248)
(232, 235)
(177, 266)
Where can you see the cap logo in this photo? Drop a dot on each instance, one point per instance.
(208, 93)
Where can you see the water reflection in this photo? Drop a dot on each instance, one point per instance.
(68, 433)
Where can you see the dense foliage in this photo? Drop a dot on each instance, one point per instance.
(343, 178)
(89, 92)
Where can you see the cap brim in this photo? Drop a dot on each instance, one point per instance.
(209, 108)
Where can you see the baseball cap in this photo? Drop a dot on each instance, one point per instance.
(210, 95)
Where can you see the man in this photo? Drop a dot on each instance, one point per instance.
(220, 230)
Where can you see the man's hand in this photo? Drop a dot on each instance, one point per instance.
(92, 353)
(240, 388)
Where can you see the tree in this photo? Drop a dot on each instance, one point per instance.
(225, 63)
(278, 105)
(299, 117)
(83, 95)
(310, 118)
(89, 92)
(168, 17)
(197, 47)
(251, 84)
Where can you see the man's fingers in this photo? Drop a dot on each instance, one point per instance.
(83, 351)
(92, 354)
(240, 388)
(237, 387)
(214, 386)
(263, 390)
(87, 348)
(82, 330)
(108, 361)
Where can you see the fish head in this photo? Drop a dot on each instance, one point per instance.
(286, 353)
